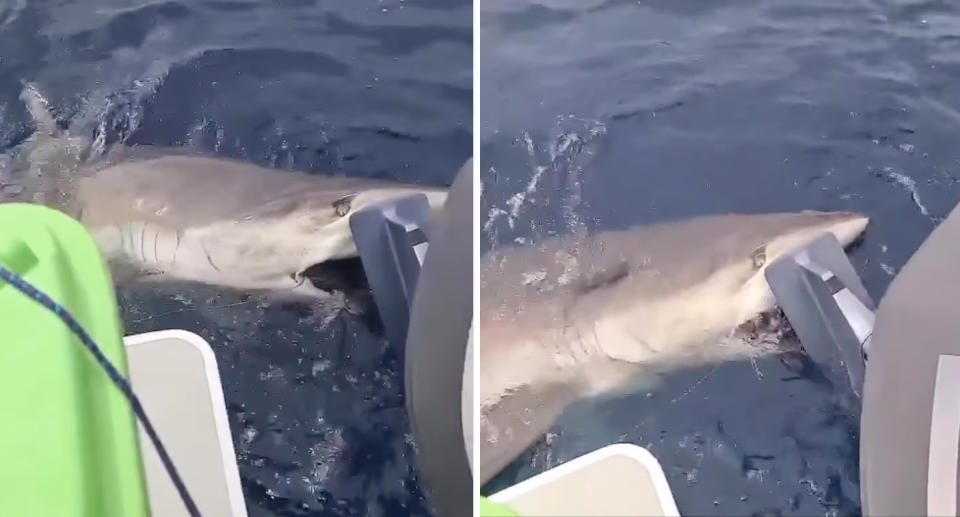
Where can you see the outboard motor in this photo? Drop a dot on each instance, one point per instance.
(906, 367)
(828, 307)
(421, 276)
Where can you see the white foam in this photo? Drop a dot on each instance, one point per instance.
(910, 185)
(888, 269)
(13, 12)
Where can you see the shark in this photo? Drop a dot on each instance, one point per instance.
(587, 315)
(166, 214)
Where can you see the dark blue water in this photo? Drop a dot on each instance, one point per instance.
(608, 113)
(366, 88)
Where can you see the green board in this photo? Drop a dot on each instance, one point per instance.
(68, 443)
(489, 508)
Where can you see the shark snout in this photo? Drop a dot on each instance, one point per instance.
(435, 197)
(847, 227)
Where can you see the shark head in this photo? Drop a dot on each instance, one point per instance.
(800, 230)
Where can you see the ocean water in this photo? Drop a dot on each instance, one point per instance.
(602, 114)
(365, 88)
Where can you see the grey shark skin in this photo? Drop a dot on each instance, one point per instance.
(203, 219)
(585, 315)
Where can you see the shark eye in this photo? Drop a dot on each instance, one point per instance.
(759, 257)
(343, 205)
(298, 278)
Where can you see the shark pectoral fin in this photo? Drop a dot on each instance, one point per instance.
(516, 422)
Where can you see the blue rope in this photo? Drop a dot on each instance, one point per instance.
(61, 312)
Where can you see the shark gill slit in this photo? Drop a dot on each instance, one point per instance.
(176, 248)
(156, 237)
(123, 237)
(143, 238)
(209, 259)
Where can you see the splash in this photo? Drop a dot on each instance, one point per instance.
(910, 185)
(115, 107)
(556, 169)
(12, 12)
(326, 455)
(108, 114)
(572, 148)
(121, 112)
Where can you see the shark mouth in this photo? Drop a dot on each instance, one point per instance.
(345, 276)
(769, 331)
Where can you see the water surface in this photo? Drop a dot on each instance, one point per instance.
(603, 114)
(372, 88)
